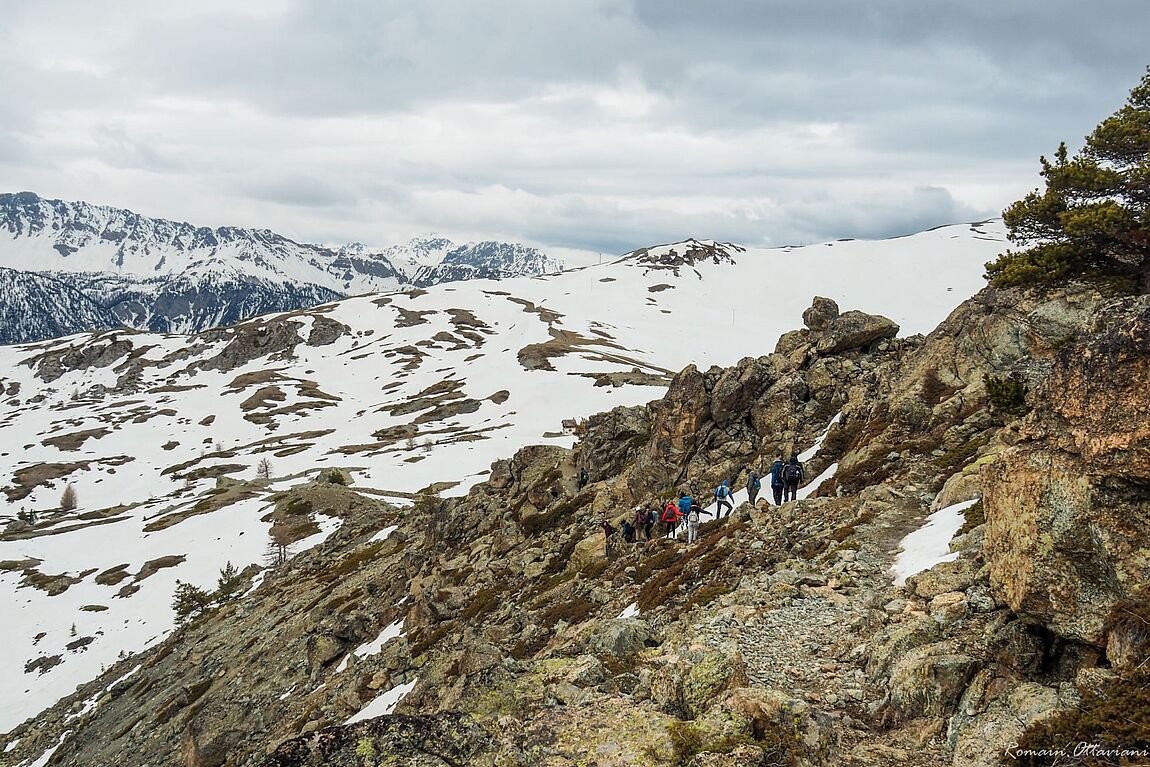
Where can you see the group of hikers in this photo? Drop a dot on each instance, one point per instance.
(785, 479)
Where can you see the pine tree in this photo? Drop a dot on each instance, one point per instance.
(1093, 218)
(230, 584)
(189, 601)
(68, 500)
(264, 468)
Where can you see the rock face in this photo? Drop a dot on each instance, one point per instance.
(1068, 512)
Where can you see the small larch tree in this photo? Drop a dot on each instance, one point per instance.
(264, 469)
(1093, 217)
(69, 500)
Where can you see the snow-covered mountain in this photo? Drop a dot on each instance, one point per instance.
(168, 276)
(161, 436)
(41, 306)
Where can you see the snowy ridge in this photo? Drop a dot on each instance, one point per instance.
(402, 391)
(169, 276)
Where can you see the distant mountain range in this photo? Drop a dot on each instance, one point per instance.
(67, 267)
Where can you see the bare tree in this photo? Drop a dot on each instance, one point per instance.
(68, 500)
(264, 468)
(279, 548)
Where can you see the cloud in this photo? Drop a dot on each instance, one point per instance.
(597, 124)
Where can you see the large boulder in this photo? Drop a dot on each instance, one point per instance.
(621, 638)
(928, 681)
(855, 330)
(821, 313)
(676, 431)
(1068, 514)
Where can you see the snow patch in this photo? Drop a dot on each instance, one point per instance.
(374, 646)
(814, 484)
(813, 450)
(384, 533)
(44, 757)
(930, 544)
(631, 611)
(384, 704)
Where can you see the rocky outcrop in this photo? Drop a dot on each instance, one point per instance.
(1068, 512)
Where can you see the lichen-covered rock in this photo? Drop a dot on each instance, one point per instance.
(928, 681)
(425, 741)
(710, 675)
(956, 575)
(890, 644)
(855, 330)
(821, 313)
(992, 715)
(620, 638)
(1066, 506)
(795, 731)
(948, 608)
(736, 389)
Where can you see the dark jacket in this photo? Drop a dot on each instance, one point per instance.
(777, 474)
(802, 473)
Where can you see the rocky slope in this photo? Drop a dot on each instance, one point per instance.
(174, 277)
(502, 629)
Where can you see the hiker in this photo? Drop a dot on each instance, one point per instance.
(793, 476)
(652, 518)
(777, 483)
(686, 503)
(753, 486)
(642, 516)
(723, 496)
(671, 516)
(608, 531)
(584, 478)
(693, 523)
(628, 531)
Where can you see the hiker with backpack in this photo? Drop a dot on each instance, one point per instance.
(693, 523)
(777, 482)
(723, 496)
(671, 517)
(753, 486)
(642, 517)
(793, 476)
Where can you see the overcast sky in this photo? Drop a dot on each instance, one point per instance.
(595, 124)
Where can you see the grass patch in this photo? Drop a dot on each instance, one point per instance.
(536, 524)
(357, 559)
(570, 612)
(1115, 718)
(428, 639)
(692, 567)
(975, 515)
(484, 601)
(1006, 394)
(957, 458)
